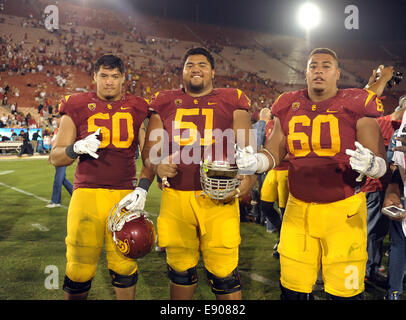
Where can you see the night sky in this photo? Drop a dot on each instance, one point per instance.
(382, 20)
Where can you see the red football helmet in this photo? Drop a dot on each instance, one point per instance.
(133, 233)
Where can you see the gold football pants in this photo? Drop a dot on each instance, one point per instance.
(331, 235)
(275, 187)
(86, 232)
(190, 223)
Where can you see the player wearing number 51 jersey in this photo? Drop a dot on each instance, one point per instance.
(101, 129)
(325, 218)
(190, 222)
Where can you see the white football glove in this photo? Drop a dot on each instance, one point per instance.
(88, 145)
(134, 200)
(249, 162)
(366, 162)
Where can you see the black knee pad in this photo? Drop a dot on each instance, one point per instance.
(73, 287)
(359, 296)
(287, 294)
(120, 281)
(229, 284)
(187, 278)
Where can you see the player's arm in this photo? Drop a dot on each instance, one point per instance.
(370, 136)
(276, 145)
(269, 157)
(153, 150)
(141, 133)
(66, 150)
(378, 86)
(136, 199)
(243, 131)
(146, 174)
(369, 157)
(244, 135)
(393, 193)
(66, 136)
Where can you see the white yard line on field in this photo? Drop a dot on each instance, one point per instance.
(257, 277)
(6, 172)
(29, 194)
(40, 227)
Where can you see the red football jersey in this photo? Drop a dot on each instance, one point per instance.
(317, 136)
(388, 127)
(119, 122)
(194, 124)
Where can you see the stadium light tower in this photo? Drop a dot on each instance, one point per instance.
(308, 16)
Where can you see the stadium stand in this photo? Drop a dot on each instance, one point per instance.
(41, 66)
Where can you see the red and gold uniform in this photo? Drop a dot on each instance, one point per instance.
(101, 183)
(275, 186)
(325, 218)
(188, 220)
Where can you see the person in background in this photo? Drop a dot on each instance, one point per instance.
(26, 147)
(260, 134)
(394, 195)
(378, 224)
(59, 178)
(34, 140)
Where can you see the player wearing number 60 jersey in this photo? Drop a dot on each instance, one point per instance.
(101, 129)
(118, 122)
(318, 135)
(325, 218)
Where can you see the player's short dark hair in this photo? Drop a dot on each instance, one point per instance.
(323, 51)
(109, 61)
(199, 50)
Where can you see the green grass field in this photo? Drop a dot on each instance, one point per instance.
(32, 247)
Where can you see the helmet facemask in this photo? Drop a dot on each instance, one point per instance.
(218, 178)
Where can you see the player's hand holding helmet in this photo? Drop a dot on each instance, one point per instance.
(133, 233)
(134, 200)
(88, 145)
(218, 177)
(366, 162)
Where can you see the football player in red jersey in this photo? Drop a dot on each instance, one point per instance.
(325, 218)
(101, 129)
(190, 222)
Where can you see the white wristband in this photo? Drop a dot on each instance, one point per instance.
(273, 158)
(263, 162)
